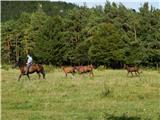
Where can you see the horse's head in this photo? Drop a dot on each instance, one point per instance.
(124, 66)
(76, 68)
(92, 66)
(16, 64)
(62, 67)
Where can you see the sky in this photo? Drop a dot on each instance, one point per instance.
(134, 4)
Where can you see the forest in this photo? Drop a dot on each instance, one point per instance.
(59, 33)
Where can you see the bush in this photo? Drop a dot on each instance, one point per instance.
(105, 91)
(49, 68)
(101, 68)
(6, 67)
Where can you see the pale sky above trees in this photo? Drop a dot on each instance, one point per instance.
(135, 4)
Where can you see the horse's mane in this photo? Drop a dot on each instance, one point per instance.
(22, 64)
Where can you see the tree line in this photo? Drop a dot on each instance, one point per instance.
(13, 9)
(109, 36)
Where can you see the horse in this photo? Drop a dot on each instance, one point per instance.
(85, 69)
(38, 68)
(132, 69)
(68, 69)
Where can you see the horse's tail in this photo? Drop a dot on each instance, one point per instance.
(141, 71)
(42, 70)
(62, 67)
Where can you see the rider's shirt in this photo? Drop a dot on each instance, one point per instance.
(29, 61)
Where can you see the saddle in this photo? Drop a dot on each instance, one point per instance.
(28, 67)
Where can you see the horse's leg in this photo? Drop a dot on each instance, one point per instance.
(135, 73)
(28, 76)
(43, 73)
(72, 74)
(84, 74)
(39, 75)
(81, 75)
(127, 73)
(92, 73)
(138, 72)
(19, 77)
(132, 74)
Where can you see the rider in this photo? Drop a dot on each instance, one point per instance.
(29, 63)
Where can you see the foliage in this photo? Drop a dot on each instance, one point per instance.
(14, 9)
(109, 36)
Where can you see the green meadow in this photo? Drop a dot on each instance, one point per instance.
(110, 95)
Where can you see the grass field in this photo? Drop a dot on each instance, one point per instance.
(110, 95)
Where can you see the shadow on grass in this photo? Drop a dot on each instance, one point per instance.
(123, 117)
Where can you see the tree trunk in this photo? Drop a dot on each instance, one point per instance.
(26, 44)
(135, 33)
(157, 66)
(17, 51)
(9, 52)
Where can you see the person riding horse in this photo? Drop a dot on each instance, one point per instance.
(29, 63)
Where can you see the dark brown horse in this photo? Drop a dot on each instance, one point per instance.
(85, 69)
(132, 69)
(38, 68)
(68, 69)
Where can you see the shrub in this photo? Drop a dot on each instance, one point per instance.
(5, 67)
(101, 68)
(105, 91)
(49, 68)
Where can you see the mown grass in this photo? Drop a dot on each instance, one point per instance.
(110, 95)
